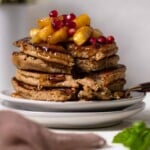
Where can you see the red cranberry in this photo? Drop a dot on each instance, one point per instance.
(70, 24)
(71, 16)
(57, 23)
(71, 31)
(101, 40)
(53, 13)
(110, 39)
(93, 40)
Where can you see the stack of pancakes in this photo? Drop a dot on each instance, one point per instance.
(103, 77)
(43, 72)
(66, 72)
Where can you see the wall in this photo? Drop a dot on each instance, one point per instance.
(127, 20)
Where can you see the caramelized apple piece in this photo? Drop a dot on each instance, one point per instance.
(96, 33)
(58, 36)
(45, 32)
(36, 39)
(82, 35)
(34, 35)
(82, 20)
(34, 32)
(44, 22)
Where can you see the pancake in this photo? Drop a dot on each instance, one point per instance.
(45, 51)
(45, 94)
(87, 65)
(92, 52)
(117, 85)
(45, 80)
(26, 62)
(101, 79)
(103, 93)
(89, 94)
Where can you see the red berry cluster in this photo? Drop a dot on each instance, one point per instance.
(66, 20)
(102, 40)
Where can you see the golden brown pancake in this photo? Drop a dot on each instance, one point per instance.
(87, 65)
(117, 85)
(102, 93)
(45, 94)
(91, 51)
(26, 62)
(103, 78)
(88, 94)
(45, 80)
(45, 51)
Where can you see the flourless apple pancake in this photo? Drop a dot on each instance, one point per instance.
(87, 65)
(48, 52)
(93, 52)
(46, 94)
(45, 79)
(103, 78)
(27, 62)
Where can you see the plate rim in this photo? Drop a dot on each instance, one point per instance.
(4, 96)
(134, 107)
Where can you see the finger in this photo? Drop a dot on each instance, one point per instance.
(14, 128)
(84, 141)
(19, 147)
(77, 141)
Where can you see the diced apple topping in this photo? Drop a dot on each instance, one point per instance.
(66, 27)
(82, 35)
(82, 20)
(45, 32)
(44, 22)
(58, 36)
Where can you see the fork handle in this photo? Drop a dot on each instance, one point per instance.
(143, 87)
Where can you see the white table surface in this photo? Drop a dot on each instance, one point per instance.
(109, 132)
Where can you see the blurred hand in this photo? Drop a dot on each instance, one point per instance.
(18, 133)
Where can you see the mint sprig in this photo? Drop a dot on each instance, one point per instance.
(136, 137)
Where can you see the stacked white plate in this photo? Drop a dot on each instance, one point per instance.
(75, 114)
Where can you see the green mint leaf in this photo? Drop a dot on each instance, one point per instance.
(136, 137)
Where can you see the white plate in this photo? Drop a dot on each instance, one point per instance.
(78, 119)
(71, 106)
